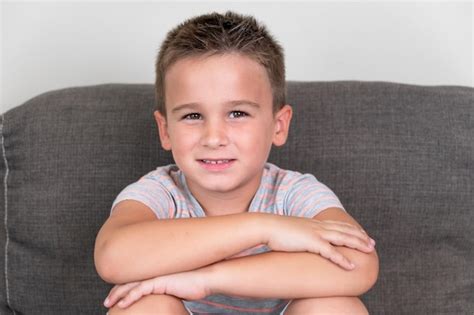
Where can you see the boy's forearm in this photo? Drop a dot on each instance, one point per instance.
(149, 249)
(293, 275)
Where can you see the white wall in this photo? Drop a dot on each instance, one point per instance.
(47, 45)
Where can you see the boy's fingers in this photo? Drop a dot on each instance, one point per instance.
(131, 297)
(144, 288)
(117, 293)
(348, 240)
(346, 227)
(349, 235)
(336, 257)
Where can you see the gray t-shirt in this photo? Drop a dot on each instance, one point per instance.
(281, 192)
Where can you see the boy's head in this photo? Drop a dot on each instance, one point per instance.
(215, 34)
(225, 102)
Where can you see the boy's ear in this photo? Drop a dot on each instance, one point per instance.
(163, 130)
(282, 125)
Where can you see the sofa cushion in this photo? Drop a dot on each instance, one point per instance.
(398, 156)
(69, 153)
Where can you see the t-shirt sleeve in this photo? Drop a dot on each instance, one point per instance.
(306, 197)
(150, 192)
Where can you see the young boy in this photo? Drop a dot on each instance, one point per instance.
(234, 233)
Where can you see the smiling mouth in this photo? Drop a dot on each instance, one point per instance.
(223, 161)
(216, 165)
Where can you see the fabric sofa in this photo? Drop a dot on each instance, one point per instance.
(399, 156)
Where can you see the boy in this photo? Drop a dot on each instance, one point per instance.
(234, 233)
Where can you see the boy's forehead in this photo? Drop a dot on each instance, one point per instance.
(221, 79)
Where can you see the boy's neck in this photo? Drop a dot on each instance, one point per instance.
(217, 206)
(216, 203)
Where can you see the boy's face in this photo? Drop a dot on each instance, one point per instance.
(220, 124)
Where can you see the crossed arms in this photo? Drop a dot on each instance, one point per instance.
(134, 246)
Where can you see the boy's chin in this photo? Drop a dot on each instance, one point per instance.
(219, 187)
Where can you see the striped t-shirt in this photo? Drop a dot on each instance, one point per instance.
(281, 192)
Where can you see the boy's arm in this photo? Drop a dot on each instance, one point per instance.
(296, 275)
(275, 274)
(292, 275)
(133, 245)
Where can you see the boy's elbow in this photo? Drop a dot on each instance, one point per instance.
(366, 272)
(115, 266)
(368, 265)
(104, 264)
(109, 260)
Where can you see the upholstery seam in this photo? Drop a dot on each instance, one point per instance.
(5, 192)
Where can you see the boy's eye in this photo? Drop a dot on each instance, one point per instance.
(237, 114)
(192, 116)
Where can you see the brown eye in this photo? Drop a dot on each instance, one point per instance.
(192, 116)
(238, 114)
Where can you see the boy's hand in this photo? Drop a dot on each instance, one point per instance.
(189, 285)
(297, 234)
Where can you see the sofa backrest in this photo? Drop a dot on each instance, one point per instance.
(400, 158)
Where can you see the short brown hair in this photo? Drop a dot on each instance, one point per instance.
(214, 33)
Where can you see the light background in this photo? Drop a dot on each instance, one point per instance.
(52, 45)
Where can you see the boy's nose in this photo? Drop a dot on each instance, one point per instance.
(214, 135)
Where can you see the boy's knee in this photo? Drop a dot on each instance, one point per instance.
(152, 304)
(329, 305)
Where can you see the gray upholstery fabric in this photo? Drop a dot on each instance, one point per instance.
(400, 158)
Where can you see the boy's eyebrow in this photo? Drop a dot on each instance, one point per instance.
(229, 104)
(243, 102)
(184, 106)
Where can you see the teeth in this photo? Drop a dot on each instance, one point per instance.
(215, 162)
